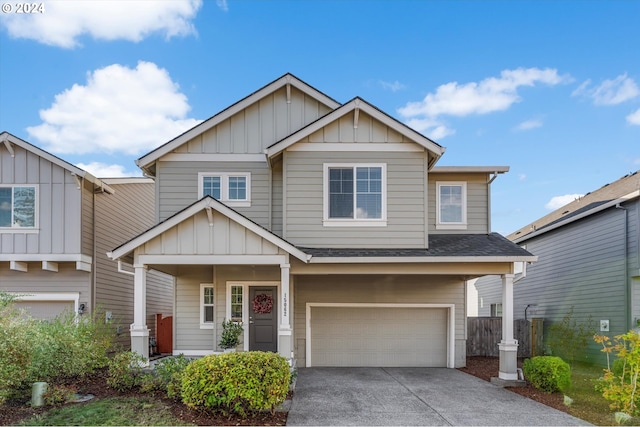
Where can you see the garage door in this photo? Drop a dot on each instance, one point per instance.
(378, 336)
(45, 310)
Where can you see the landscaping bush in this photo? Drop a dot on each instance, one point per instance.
(125, 371)
(547, 373)
(166, 376)
(236, 382)
(57, 395)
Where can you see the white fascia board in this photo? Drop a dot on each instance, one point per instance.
(342, 111)
(590, 212)
(357, 147)
(470, 169)
(46, 257)
(211, 157)
(127, 180)
(417, 259)
(146, 160)
(8, 138)
(211, 259)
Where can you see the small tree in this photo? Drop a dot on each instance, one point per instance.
(568, 338)
(231, 332)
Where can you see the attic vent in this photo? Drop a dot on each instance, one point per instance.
(565, 212)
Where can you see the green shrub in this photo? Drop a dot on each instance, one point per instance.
(125, 371)
(548, 373)
(57, 395)
(166, 376)
(236, 382)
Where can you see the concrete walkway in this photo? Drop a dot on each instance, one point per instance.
(411, 397)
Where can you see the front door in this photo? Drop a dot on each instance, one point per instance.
(263, 318)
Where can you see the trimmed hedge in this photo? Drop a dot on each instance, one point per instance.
(238, 382)
(548, 373)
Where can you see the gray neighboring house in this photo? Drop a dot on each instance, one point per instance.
(325, 228)
(589, 259)
(57, 223)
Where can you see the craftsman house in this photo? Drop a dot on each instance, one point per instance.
(325, 228)
(589, 265)
(57, 222)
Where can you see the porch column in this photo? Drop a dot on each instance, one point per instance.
(138, 329)
(284, 331)
(508, 346)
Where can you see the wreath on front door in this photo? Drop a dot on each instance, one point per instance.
(262, 304)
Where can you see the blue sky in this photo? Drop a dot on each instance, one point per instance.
(549, 88)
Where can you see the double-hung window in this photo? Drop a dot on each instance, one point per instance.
(18, 207)
(233, 189)
(207, 306)
(451, 205)
(355, 194)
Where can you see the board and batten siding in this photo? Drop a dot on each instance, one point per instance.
(582, 265)
(59, 205)
(398, 289)
(120, 217)
(303, 201)
(477, 201)
(178, 186)
(259, 125)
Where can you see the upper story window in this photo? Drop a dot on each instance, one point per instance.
(451, 205)
(233, 189)
(355, 194)
(18, 206)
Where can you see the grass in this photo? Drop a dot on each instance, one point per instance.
(588, 404)
(116, 411)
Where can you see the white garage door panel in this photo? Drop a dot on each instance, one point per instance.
(45, 310)
(378, 336)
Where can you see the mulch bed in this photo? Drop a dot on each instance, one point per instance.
(13, 412)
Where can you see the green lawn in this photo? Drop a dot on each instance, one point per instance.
(588, 404)
(116, 411)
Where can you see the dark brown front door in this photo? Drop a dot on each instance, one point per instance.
(263, 318)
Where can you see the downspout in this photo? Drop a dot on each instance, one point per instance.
(94, 277)
(626, 268)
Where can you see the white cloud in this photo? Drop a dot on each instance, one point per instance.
(432, 128)
(63, 21)
(610, 92)
(634, 118)
(559, 201)
(119, 110)
(392, 86)
(102, 170)
(222, 4)
(528, 125)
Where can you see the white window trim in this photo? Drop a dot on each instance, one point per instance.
(353, 222)
(245, 305)
(203, 324)
(224, 187)
(462, 225)
(36, 225)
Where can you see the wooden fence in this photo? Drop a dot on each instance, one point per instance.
(484, 334)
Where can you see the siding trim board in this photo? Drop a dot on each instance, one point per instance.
(450, 323)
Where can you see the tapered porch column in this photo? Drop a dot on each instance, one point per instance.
(508, 346)
(138, 329)
(284, 331)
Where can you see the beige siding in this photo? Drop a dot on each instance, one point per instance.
(87, 220)
(59, 205)
(178, 186)
(377, 289)
(276, 199)
(405, 201)
(477, 201)
(368, 130)
(119, 217)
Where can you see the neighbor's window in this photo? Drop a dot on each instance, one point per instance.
(496, 310)
(451, 205)
(207, 305)
(233, 189)
(17, 206)
(236, 303)
(355, 193)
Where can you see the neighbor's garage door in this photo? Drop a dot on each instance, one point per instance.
(378, 336)
(45, 310)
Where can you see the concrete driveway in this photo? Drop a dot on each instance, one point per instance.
(411, 397)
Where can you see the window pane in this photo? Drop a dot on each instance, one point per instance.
(208, 314)
(211, 186)
(208, 295)
(451, 203)
(341, 193)
(5, 207)
(237, 188)
(369, 192)
(236, 303)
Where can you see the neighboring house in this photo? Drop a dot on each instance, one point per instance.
(588, 259)
(56, 224)
(325, 228)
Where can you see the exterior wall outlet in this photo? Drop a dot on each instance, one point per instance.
(604, 326)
